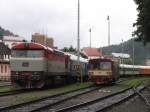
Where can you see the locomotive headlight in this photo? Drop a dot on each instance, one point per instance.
(17, 73)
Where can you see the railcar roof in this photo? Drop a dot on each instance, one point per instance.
(101, 59)
(129, 66)
(74, 57)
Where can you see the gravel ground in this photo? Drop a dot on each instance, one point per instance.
(24, 97)
(135, 104)
(86, 97)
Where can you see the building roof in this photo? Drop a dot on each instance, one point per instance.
(4, 49)
(13, 38)
(91, 52)
(121, 55)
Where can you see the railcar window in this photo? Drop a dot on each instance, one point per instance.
(105, 65)
(27, 53)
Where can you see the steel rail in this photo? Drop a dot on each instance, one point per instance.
(90, 102)
(26, 104)
(143, 97)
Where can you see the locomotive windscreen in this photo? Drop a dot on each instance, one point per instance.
(27, 53)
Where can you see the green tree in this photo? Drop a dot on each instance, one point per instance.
(142, 24)
(70, 49)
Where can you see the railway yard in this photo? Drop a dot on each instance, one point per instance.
(128, 94)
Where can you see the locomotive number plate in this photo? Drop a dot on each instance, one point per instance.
(25, 64)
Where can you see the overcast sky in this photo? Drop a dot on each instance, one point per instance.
(58, 19)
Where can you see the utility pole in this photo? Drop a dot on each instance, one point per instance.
(78, 34)
(90, 37)
(133, 54)
(78, 44)
(108, 18)
(122, 53)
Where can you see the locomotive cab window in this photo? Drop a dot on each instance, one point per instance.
(27, 53)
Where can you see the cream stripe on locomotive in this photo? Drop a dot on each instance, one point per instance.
(99, 72)
(28, 64)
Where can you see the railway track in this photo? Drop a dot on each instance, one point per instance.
(44, 102)
(96, 105)
(144, 95)
(14, 92)
(3, 84)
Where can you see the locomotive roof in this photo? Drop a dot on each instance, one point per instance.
(31, 45)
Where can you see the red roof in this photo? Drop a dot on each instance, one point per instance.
(91, 51)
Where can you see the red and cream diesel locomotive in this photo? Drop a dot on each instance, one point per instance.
(34, 65)
(103, 71)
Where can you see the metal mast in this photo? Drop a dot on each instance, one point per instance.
(78, 29)
(108, 30)
(90, 37)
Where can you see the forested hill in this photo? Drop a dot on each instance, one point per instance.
(4, 32)
(141, 52)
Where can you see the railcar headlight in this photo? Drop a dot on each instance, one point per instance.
(109, 73)
(17, 73)
(90, 73)
(35, 73)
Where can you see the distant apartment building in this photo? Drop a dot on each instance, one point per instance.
(147, 62)
(4, 62)
(11, 40)
(43, 39)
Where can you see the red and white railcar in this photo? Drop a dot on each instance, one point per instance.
(144, 70)
(102, 71)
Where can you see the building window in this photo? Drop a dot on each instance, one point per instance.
(1, 68)
(0, 56)
(5, 68)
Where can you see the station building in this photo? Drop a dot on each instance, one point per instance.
(5, 54)
(122, 58)
(91, 53)
(11, 40)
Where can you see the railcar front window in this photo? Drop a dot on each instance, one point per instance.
(27, 53)
(105, 65)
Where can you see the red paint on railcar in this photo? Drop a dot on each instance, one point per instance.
(144, 71)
